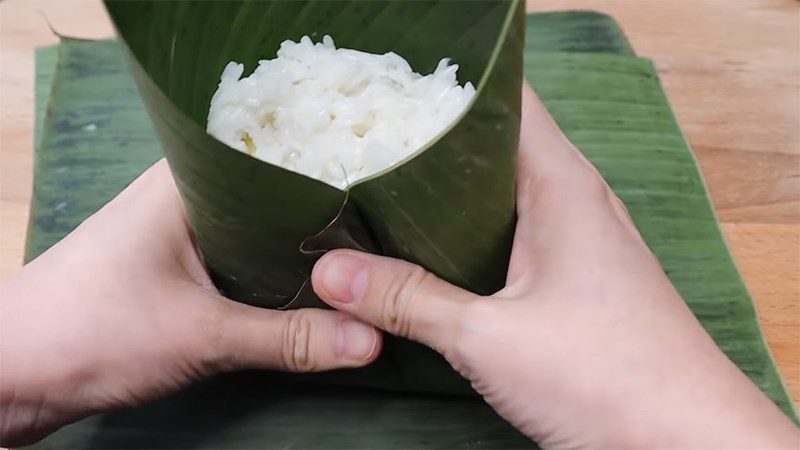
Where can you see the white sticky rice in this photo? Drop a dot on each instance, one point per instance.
(337, 115)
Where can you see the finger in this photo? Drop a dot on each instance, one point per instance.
(297, 341)
(394, 295)
(553, 176)
(152, 206)
(150, 202)
(154, 187)
(544, 150)
(559, 192)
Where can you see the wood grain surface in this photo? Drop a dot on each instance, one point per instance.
(731, 71)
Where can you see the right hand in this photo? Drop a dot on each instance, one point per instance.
(589, 344)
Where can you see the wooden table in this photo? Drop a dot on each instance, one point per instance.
(731, 71)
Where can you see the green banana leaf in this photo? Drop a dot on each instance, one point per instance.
(46, 60)
(251, 218)
(98, 64)
(575, 31)
(611, 106)
(90, 148)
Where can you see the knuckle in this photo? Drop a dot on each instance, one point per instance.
(591, 183)
(399, 297)
(525, 190)
(544, 185)
(580, 182)
(296, 342)
(470, 334)
(215, 352)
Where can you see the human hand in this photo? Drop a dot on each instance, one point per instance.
(589, 344)
(122, 311)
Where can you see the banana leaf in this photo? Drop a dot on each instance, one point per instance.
(251, 218)
(611, 106)
(46, 60)
(90, 148)
(98, 64)
(575, 31)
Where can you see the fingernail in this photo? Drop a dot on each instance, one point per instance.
(344, 277)
(355, 341)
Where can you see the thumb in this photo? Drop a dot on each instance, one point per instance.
(391, 294)
(302, 340)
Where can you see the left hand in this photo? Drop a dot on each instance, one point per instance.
(122, 311)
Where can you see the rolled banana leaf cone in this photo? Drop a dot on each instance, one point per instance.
(259, 228)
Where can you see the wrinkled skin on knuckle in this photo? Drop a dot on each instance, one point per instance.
(591, 184)
(31, 423)
(472, 337)
(296, 341)
(525, 193)
(579, 183)
(398, 299)
(215, 354)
